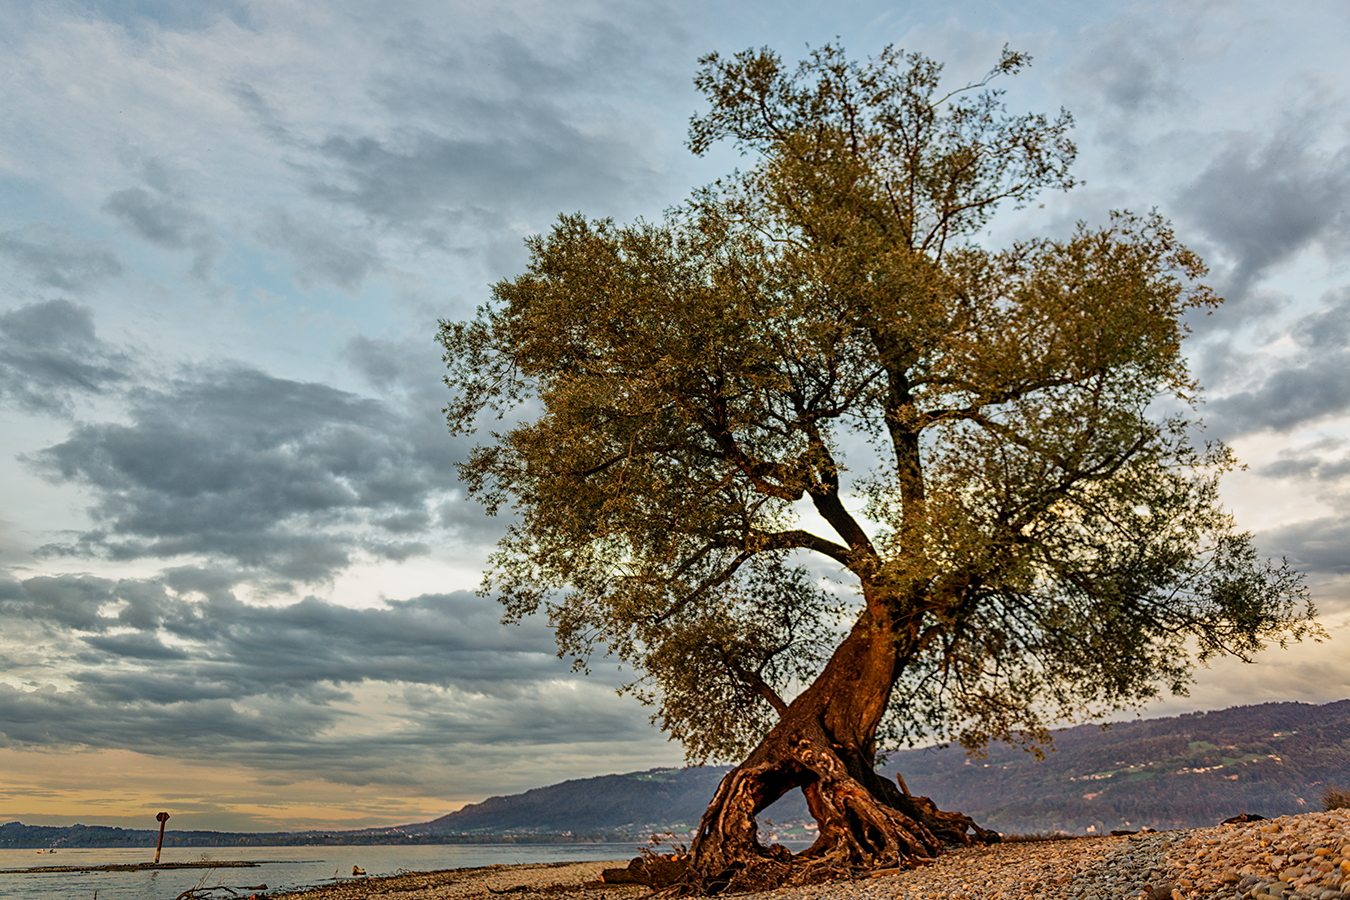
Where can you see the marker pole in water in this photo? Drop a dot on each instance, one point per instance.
(161, 818)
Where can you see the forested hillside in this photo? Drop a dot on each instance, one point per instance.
(1185, 771)
(1192, 770)
(655, 800)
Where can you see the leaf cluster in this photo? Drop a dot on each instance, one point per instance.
(851, 151)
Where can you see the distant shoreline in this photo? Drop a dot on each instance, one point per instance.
(135, 839)
(135, 867)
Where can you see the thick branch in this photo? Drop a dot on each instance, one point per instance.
(799, 539)
(759, 472)
(759, 684)
(904, 432)
(825, 497)
(986, 397)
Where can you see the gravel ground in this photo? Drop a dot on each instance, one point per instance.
(1305, 857)
(555, 881)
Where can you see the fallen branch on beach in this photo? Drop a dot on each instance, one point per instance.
(199, 891)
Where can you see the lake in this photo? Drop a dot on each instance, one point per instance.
(280, 868)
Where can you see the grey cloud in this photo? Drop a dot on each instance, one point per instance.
(412, 370)
(1313, 462)
(266, 685)
(78, 602)
(1317, 546)
(1220, 364)
(213, 583)
(1288, 397)
(132, 647)
(431, 178)
(73, 602)
(55, 257)
(1262, 197)
(605, 53)
(159, 220)
(1128, 65)
(497, 131)
(1328, 329)
(567, 57)
(167, 222)
(72, 718)
(450, 639)
(323, 254)
(253, 102)
(168, 14)
(1249, 306)
(388, 365)
(529, 717)
(1319, 470)
(555, 734)
(277, 476)
(146, 603)
(1310, 385)
(49, 354)
(495, 134)
(1262, 203)
(224, 647)
(406, 523)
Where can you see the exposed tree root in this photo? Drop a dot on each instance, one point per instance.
(865, 821)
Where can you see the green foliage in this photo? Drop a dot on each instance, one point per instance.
(1038, 540)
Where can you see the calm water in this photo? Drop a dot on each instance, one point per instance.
(279, 867)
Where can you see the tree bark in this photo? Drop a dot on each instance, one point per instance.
(824, 745)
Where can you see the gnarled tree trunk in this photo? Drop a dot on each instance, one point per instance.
(824, 744)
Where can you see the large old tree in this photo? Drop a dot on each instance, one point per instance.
(830, 475)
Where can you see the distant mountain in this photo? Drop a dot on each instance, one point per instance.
(655, 800)
(1181, 772)
(18, 836)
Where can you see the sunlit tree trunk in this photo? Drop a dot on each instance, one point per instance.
(825, 744)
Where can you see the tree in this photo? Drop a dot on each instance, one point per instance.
(813, 363)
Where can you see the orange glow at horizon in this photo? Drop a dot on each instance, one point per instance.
(125, 789)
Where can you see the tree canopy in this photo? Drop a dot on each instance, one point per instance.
(813, 366)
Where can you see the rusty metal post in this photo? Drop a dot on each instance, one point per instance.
(161, 818)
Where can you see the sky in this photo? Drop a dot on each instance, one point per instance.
(237, 569)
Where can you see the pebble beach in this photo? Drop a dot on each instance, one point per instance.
(1303, 857)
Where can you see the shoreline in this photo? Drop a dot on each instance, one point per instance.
(1299, 857)
(554, 880)
(136, 867)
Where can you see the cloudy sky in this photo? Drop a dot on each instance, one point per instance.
(238, 570)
